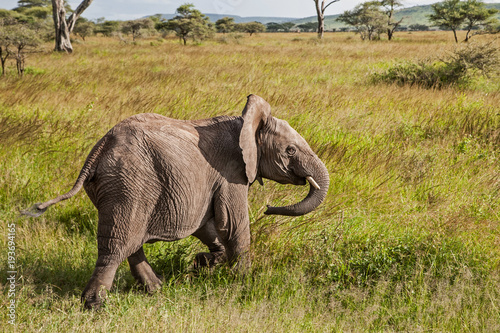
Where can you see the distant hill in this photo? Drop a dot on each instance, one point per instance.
(240, 19)
(411, 15)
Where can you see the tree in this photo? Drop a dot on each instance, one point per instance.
(40, 13)
(22, 5)
(419, 27)
(106, 28)
(367, 18)
(274, 27)
(16, 39)
(135, 27)
(24, 41)
(63, 26)
(5, 39)
(84, 28)
(251, 27)
(320, 11)
(309, 26)
(36, 15)
(448, 14)
(476, 14)
(389, 6)
(32, 3)
(225, 24)
(288, 25)
(189, 22)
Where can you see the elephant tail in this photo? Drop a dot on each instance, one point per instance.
(86, 172)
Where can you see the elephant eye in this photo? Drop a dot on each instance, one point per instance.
(290, 150)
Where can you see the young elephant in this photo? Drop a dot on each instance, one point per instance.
(154, 178)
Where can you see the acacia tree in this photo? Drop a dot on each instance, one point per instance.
(448, 14)
(275, 27)
(84, 28)
(251, 27)
(16, 40)
(225, 24)
(476, 14)
(33, 3)
(24, 41)
(308, 26)
(135, 27)
(320, 11)
(389, 6)
(367, 18)
(288, 25)
(189, 22)
(64, 26)
(5, 42)
(106, 28)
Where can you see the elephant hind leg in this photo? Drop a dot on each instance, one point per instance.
(101, 281)
(142, 271)
(208, 235)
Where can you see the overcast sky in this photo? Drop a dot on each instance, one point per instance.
(132, 9)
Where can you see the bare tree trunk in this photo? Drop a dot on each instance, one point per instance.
(389, 22)
(320, 11)
(321, 20)
(455, 34)
(65, 26)
(20, 60)
(63, 42)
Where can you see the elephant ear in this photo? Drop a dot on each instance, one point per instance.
(256, 114)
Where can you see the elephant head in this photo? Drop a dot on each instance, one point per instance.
(272, 149)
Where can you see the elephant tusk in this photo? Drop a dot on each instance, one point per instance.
(312, 182)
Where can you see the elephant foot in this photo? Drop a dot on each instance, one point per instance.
(143, 272)
(146, 277)
(211, 259)
(153, 284)
(149, 280)
(93, 297)
(94, 294)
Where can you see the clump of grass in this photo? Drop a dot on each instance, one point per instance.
(231, 38)
(460, 69)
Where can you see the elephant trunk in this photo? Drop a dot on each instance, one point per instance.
(319, 181)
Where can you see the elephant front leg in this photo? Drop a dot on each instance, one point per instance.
(142, 271)
(233, 224)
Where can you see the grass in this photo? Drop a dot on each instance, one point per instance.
(407, 239)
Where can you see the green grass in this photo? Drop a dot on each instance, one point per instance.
(406, 240)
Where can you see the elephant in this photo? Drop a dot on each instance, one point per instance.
(154, 178)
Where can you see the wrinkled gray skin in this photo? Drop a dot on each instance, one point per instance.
(153, 178)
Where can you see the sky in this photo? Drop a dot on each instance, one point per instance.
(132, 9)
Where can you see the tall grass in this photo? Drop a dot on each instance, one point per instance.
(406, 240)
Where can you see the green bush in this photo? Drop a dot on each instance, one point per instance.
(459, 69)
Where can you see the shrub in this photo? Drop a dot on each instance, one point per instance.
(459, 69)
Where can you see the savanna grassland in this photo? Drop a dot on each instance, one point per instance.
(408, 238)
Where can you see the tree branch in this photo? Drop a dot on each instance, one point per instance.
(325, 7)
(395, 24)
(76, 14)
